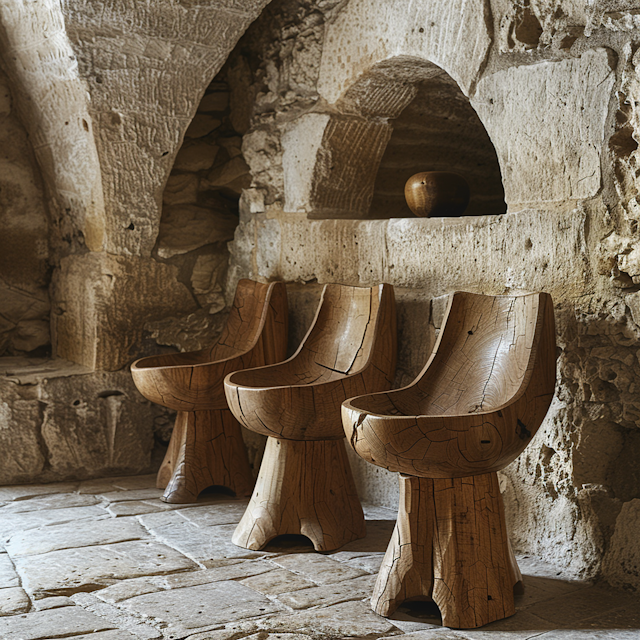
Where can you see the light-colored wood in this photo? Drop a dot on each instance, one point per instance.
(206, 449)
(437, 194)
(450, 545)
(206, 446)
(350, 348)
(474, 408)
(304, 487)
(479, 400)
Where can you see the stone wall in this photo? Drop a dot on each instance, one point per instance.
(137, 204)
(24, 245)
(98, 102)
(554, 86)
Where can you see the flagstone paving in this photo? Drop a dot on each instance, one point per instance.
(108, 560)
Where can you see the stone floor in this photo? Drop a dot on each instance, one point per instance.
(107, 560)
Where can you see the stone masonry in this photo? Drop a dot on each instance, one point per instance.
(107, 560)
(139, 138)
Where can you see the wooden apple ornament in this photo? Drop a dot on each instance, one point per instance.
(437, 194)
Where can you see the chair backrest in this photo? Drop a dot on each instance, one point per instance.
(343, 334)
(485, 353)
(241, 331)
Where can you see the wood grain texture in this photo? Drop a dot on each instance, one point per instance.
(479, 400)
(349, 350)
(450, 545)
(305, 483)
(206, 433)
(437, 194)
(474, 408)
(206, 449)
(303, 488)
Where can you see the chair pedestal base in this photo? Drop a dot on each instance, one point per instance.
(304, 487)
(206, 449)
(450, 545)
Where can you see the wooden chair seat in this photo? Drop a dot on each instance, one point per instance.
(472, 410)
(206, 446)
(350, 348)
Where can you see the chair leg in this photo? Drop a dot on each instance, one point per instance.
(304, 487)
(206, 449)
(450, 545)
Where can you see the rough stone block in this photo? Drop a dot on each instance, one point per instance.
(181, 188)
(12, 524)
(276, 582)
(301, 143)
(84, 533)
(319, 569)
(366, 33)
(41, 625)
(68, 571)
(199, 156)
(621, 565)
(187, 227)
(326, 595)
(217, 603)
(547, 123)
(103, 301)
(13, 600)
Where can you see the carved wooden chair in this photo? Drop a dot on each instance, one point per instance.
(305, 484)
(206, 446)
(474, 408)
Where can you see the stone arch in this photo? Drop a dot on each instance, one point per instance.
(401, 116)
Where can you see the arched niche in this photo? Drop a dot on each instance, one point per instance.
(403, 116)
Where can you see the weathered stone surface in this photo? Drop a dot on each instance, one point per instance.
(57, 118)
(182, 188)
(198, 156)
(55, 501)
(188, 333)
(568, 135)
(217, 603)
(149, 493)
(104, 302)
(125, 589)
(70, 570)
(622, 562)
(116, 634)
(134, 508)
(276, 582)
(13, 600)
(189, 227)
(96, 424)
(85, 533)
(201, 125)
(23, 243)
(208, 280)
(366, 33)
(326, 595)
(44, 624)
(224, 570)
(201, 544)
(234, 175)
(116, 617)
(319, 569)
(300, 145)
(216, 101)
(20, 422)
(220, 512)
(342, 620)
(10, 525)
(27, 491)
(54, 602)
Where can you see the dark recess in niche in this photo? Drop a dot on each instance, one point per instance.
(438, 131)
